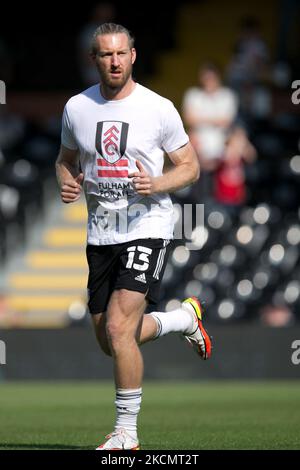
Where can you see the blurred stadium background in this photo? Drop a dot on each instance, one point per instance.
(247, 271)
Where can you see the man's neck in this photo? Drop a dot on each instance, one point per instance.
(117, 93)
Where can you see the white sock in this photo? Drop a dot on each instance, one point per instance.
(128, 403)
(178, 320)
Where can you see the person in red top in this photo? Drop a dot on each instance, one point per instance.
(229, 182)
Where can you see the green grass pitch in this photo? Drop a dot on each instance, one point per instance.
(175, 415)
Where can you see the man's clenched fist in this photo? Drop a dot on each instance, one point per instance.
(71, 189)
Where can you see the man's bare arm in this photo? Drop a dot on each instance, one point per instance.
(186, 171)
(68, 175)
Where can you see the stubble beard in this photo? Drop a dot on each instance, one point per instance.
(116, 84)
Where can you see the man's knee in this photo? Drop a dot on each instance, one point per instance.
(115, 330)
(123, 318)
(119, 336)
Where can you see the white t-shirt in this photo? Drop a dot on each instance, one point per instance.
(111, 136)
(222, 104)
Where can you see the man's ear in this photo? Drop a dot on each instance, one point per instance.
(133, 55)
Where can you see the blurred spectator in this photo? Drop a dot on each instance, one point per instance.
(229, 181)
(249, 70)
(102, 13)
(250, 60)
(276, 316)
(208, 111)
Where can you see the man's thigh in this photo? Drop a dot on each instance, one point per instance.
(103, 266)
(126, 308)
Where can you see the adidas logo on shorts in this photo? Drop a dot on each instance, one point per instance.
(141, 278)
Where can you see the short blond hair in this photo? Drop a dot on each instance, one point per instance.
(110, 28)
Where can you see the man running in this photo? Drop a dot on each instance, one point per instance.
(114, 136)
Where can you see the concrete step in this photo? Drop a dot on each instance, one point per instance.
(34, 320)
(47, 281)
(65, 237)
(41, 303)
(76, 213)
(66, 260)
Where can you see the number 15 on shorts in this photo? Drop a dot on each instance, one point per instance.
(138, 257)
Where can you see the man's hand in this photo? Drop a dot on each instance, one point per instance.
(142, 182)
(71, 189)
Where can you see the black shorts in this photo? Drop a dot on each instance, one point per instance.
(137, 265)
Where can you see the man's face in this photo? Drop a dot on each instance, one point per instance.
(114, 59)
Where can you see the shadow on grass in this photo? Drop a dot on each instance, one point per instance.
(14, 446)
